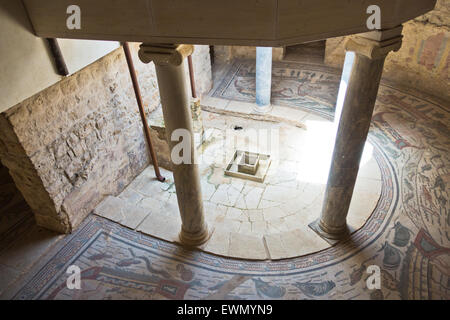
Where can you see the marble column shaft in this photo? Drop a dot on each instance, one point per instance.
(263, 77)
(370, 52)
(177, 115)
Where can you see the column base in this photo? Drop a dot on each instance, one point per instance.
(194, 239)
(262, 110)
(331, 237)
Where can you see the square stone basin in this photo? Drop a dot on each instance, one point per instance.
(249, 163)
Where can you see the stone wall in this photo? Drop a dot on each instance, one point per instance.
(80, 140)
(202, 69)
(223, 54)
(423, 61)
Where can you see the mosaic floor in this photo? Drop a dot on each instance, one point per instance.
(408, 239)
(309, 87)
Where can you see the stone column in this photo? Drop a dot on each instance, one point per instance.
(175, 102)
(263, 78)
(371, 50)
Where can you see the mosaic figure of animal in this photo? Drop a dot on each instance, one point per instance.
(318, 289)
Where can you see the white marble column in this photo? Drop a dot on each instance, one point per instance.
(371, 50)
(263, 79)
(175, 102)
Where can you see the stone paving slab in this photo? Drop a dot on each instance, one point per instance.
(247, 247)
(121, 211)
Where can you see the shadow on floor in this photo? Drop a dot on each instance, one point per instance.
(22, 242)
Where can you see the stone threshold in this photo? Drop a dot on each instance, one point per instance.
(287, 115)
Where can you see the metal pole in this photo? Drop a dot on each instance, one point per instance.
(137, 92)
(57, 55)
(191, 75)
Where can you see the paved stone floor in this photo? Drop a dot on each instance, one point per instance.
(252, 220)
(407, 236)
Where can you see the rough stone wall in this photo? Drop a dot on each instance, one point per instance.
(423, 61)
(81, 139)
(202, 69)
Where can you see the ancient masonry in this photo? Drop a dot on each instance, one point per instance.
(424, 59)
(81, 139)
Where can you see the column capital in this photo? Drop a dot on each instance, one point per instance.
(165, 54)
(376, 44)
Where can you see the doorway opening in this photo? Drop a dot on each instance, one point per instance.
(312, 52)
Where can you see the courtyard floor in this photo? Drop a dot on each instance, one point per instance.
(249, 219)
(406, 235)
